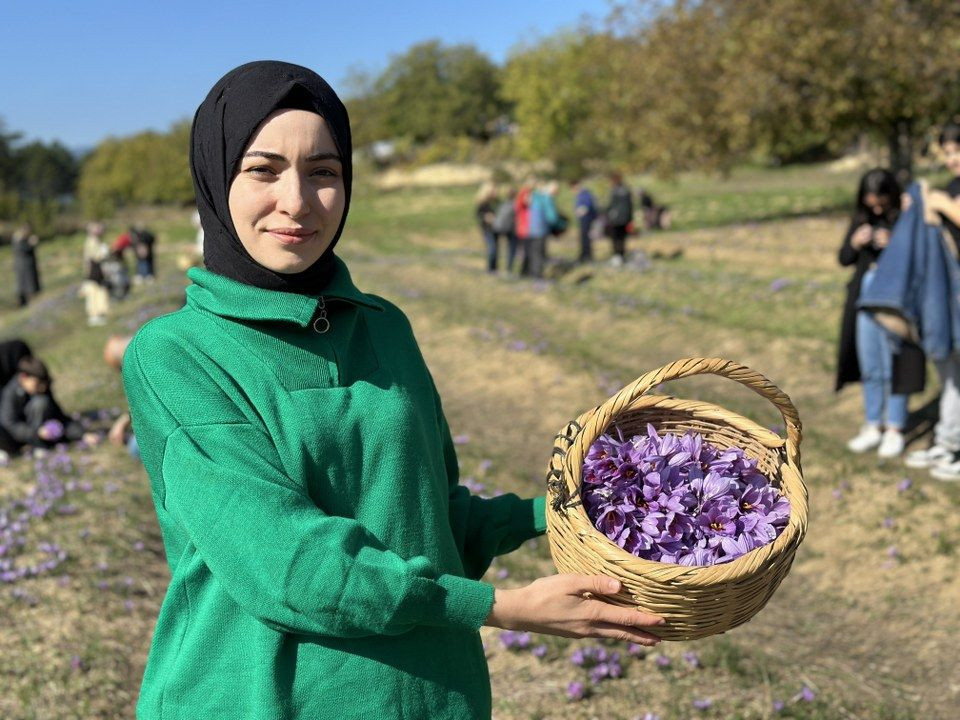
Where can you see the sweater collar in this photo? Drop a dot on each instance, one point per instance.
(229, 298)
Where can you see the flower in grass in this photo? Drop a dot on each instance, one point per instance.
(461, 439)
(702, 703)
(76, 663)
(636, 650)
(576, 691)
(806, 694)
(692, 659)
(539, 651)
(904, 485)
(888, 523)
(893, 551)
(648, 716)
(662, 661)
(778, 706)
(778, 284)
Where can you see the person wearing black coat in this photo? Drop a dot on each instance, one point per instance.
(887, 377)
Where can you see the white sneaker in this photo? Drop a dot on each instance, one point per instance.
(948, 472)
(892, 444)
(933, 456)
(869, 438)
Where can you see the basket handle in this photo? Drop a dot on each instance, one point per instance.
(688, 367)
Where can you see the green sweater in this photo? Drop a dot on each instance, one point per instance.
(325, 561)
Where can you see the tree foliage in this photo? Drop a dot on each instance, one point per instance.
(148, 168)
(431, 91)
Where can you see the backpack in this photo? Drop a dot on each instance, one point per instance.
(504, 219)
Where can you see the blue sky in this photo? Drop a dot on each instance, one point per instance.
(79, 71)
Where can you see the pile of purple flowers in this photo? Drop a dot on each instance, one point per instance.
(18, 513)
(680, 499)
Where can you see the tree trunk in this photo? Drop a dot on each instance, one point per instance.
(901, 152)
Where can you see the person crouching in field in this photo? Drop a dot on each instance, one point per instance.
(866, 350)
(29, 414)
(325, 560)
(943, 457)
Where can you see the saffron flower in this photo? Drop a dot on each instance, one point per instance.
(680, 499)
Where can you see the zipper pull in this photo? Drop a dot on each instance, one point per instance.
(321, 324)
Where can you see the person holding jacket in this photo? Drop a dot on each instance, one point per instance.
(324, 556)
(866, 351)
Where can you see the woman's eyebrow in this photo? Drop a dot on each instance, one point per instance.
(276, 156)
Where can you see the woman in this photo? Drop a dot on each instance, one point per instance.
(866, 352)
(25, 264)
(324, 559)
(485, 212)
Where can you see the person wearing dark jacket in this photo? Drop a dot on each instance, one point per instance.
(866, 353)
(25, 271)
(30, 415)
(619, 217)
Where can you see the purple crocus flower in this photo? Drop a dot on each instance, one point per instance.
(576, 690)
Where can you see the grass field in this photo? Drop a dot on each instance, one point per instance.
(867, 621)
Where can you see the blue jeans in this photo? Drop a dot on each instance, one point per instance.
(492, 241)
(875, 355)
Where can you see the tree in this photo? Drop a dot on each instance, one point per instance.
(553, 87)
(432, 91)
(725, 79)
(46, 172)
(148, 168)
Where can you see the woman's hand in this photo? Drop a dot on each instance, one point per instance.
(557, 605)
(881, 238)
(861, 237)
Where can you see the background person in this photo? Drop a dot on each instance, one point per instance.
(485, 212)
(26, 275)
(943, 457)
(31, 416)
(866, 352)
(504, 224)
(94, 287)
(619, 216)
(142, 242)
(585, 210)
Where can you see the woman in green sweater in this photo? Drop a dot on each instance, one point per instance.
(325, 560)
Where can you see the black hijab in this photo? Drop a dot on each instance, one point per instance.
(225, 121)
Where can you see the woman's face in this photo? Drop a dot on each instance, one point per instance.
(287, 198)
(877, 204)
(951, 157)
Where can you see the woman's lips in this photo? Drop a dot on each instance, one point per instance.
(292, 238)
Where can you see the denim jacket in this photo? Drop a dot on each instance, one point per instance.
(918, 281)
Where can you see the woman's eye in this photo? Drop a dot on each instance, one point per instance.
(325, 172)
(260, 170)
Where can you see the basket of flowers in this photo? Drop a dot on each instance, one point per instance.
(697, 510)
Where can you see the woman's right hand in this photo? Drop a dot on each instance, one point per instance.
(557, 605)
(861, 237)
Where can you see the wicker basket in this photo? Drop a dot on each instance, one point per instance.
(695, 601)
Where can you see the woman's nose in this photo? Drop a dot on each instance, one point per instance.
(291, 195)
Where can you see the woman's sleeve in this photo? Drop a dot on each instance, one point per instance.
(487, 527)
(848, 255)
(278, 555)
(286, 562)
